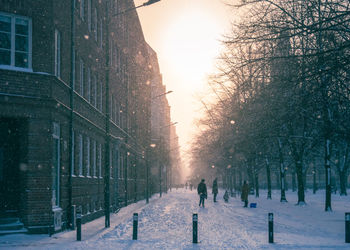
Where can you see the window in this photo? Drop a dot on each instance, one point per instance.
(99, 160)
(89, 14)
(81, 77)
(55, 169)
(80, 155)
(88, 156)
(101, 33)
(15, 41)
(110, 163)
(88, 89)
(94, 152)
(82, 9)
(57, 53)
(111, 108)
(72, 153)
(100, 96)
(93, 91)
(95, 24)
(74, 70)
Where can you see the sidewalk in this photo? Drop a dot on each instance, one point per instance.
(92, 229)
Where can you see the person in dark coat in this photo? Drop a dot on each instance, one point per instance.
(226, 196)
(215, 188)
(202, 191)
(245, 192)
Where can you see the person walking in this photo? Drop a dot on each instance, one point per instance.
(215, 188)
(226, 196)
(202, 191)
(244, 194)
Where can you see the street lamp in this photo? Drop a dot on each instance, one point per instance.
(149, 2)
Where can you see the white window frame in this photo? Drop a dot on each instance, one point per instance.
(13, 43)
(57, 53)
(80, 137)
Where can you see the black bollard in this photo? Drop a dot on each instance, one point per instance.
(270, 227)
(347, 227)
(195, 228)
(135, 224)
(78, 222)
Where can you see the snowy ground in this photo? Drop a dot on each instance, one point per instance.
(166, 223)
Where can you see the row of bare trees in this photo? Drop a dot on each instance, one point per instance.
(282, 97)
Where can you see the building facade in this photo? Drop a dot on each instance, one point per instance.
(75, 111)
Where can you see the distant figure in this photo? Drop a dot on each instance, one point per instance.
(202, 191)
(226, 196)
(244, 194)
(191, 186)
(186, 185)
(215, 188)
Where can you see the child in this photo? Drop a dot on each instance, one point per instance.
(226, 196)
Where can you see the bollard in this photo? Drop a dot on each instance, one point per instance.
(347, 227)
(195, 228)
(270, 227)
(135, 224)
(78, 223)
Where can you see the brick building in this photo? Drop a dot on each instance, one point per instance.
(75, 111)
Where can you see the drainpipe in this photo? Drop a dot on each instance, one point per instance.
(71, 133)
(107, 135)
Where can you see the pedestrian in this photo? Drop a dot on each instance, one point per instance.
(191, 186)
(215, 188)
(226, 196)
(244, 194)
(202, 191)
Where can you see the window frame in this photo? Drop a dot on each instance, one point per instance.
(12, 65)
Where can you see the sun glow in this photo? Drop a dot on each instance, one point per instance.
(190, 46)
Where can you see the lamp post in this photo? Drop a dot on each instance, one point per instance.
(160, 153)
(152, 145)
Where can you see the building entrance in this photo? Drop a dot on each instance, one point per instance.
(10, 155)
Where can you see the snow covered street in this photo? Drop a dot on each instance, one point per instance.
(166, 223)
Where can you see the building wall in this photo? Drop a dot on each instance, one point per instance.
(38, 98)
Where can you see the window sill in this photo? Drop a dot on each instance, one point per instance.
(14, 68)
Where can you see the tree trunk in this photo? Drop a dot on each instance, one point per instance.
(327, 156)
(342, 180)
(256, 184)
(268, 175)
(301, 191)
(282, 173)
(293, 182)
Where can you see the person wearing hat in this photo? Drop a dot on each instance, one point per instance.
(202, 192)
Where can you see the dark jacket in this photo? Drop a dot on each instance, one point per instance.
(202, 188)
(245, 192)
(215, 186)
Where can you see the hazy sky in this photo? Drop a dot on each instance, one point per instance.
(185, 34)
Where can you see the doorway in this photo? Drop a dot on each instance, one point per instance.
(11, 136)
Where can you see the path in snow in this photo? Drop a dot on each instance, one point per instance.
(166, 223)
